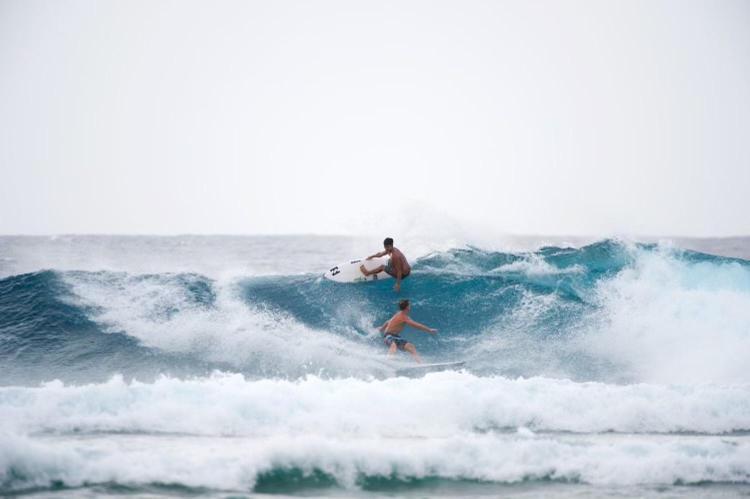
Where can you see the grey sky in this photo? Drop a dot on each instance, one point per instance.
(557, 117)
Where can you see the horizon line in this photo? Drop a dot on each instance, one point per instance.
(313, 234)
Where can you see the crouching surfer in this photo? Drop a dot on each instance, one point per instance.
(396, 266)
(393, 327)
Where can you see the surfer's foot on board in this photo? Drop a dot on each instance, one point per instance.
(366, 272)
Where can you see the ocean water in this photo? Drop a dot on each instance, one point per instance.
(227, 367)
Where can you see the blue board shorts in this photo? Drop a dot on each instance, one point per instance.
(399, 341)
(391, 272)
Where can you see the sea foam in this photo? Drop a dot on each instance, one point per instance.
(437, 405)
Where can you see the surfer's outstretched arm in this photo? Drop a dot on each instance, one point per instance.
(421, 327)
(377, 255)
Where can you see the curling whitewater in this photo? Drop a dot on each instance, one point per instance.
(231, 405)
(183, 366)
(229, 433)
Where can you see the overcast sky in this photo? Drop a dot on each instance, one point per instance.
(536, 117)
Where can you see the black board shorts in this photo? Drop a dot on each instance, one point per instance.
(399, 341)
(391, 272)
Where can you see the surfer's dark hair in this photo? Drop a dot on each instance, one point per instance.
(388, 241)
(403, 304)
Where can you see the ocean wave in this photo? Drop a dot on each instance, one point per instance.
(244, 464)
(231, 405)
(611, 312)
(673, 317)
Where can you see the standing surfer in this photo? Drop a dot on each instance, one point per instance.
(396, 266)
(393, 327)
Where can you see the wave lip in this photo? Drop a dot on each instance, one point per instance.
(674, 317)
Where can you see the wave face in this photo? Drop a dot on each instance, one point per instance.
(609, 370)
(604, 312)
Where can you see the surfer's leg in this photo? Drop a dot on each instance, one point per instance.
(392, 348)
(413, 351)
(370, 272)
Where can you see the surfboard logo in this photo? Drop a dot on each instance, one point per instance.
(351, 271)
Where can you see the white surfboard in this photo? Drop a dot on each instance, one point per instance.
(422, 369)
(349, 271)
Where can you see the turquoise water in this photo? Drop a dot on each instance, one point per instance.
(226, 366)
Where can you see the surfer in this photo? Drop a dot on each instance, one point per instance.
(396, 266)
(392, 329)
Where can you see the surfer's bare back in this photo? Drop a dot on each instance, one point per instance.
(396, 266)
(392, 329)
